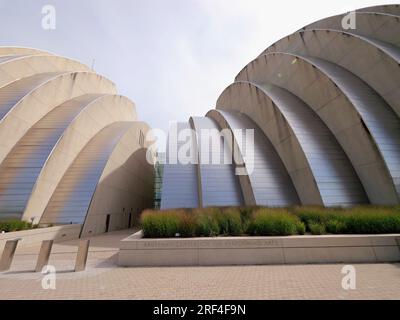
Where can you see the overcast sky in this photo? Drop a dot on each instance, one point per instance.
(171, 57)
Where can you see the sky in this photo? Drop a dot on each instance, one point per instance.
(173, 58)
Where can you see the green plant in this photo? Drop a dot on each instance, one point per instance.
(246, 214)
(206, 224)
(15, 225)
(356, 220)
(187, 226)
(163, 224)
(335, 226)
(317, 228)
(367, 220)
(269, 222)
(301, 227)
(314, 214)
(230, 222)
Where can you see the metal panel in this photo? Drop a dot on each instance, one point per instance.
(382, 123)
(8, 58)
(180, 184)
(316, 42)
(344, 49)
(350, 108)
(379, 26)
(389, 9)
(14, 92)
(270, 182)
(20, 169)
(4, 51)
(219, 183)
(71, 200)
(332, 172)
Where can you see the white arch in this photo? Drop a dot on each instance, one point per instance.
(17, 67)
(97, 115)
(379, 26)
(44, 98)
(379, 66)
(126, 183)
(269, 183)
(4, 51)
(320, 171)
(325, 88)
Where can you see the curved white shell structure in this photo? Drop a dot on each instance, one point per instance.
(324, 104)
(71, 149)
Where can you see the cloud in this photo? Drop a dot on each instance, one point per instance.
(173, 58)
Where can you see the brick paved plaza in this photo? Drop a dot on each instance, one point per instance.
(104, 280)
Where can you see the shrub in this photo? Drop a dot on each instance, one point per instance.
(315, 214)
(368, 220)
(335, 226)
(267, 222)
(163, 224)
(320, 220)
(15, 225)
(206, 224)
(230, 222)
(187, 226)
(317, 228)
(356, 220)
(246, 212)
(301, 227)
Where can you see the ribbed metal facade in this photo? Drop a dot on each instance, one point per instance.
(70, 202)
(219, 186)
(180, 183)
(324, 104)
(269, 181)
(21, 167)
(67, 138)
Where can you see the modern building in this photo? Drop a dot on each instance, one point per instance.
(324, 104)
(72, 151)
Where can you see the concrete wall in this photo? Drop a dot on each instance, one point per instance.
(135, 251)
(34, 236)
(126, 185)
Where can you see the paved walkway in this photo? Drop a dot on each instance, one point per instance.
(103, 280)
